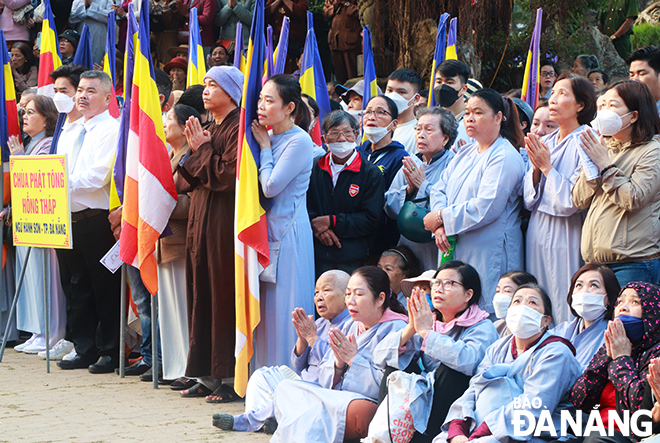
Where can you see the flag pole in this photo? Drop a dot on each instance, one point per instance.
(154, 340)
(122, 322)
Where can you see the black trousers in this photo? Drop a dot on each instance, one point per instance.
(92, 292)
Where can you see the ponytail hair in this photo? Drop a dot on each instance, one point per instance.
(378, 281)
(290, 92)
(510, 126)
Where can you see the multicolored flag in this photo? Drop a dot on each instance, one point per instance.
(239, 53)
(450, 53)
(109, 60)
(149, 192)
(119, 171)
(83, 55)
(369, 68)
(49, 58)
(312, 79)
(251, 241)
(530, 87)
(282, 47)
(438, 55)
(269, 64)
(8, 111)
(196, 63)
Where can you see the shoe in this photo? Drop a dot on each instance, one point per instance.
(57, 352)
(138, 368)
(223, 421)
(78, 362)
(104, 365)
(270, 426)
(149, 375)
(19, 348)
(71, 355)
(34, 348)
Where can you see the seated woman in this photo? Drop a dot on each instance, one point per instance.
(435, 134)
(399, 263)
(506, 286)
(530, 363)
(311, 347)
(349, 375)
(451, 340)
(616, 377)
(594, 289)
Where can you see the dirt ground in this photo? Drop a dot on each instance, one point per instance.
(76, 406)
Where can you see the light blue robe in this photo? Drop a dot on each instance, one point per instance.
(555, 225)
(586, 342)
(284, 176)
(548, 375)
(481, 197)
(96, 18)
(396, 196)
(309, 413)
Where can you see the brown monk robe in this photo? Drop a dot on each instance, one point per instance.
(210, 173)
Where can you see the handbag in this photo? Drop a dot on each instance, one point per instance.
(269, 274)
(411, 221)
(20, 15)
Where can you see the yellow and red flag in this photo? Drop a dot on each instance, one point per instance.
(49, 58)
(149, 192)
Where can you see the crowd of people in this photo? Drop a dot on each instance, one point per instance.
(500, 250)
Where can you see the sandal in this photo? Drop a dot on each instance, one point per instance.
(182, 383)
(198, 390)
(224, 394)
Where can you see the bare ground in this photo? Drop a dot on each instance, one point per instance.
(76, 406)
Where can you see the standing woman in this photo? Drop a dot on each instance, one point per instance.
(555, 224)
(622, 228)
(478, 196)
(284, 172)
(39, 123)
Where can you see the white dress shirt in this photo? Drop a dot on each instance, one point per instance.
(89, 174)
(335, 169)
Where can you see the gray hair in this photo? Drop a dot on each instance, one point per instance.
(339, 277)
(32, 90)
(106, 81)
(336, 118)
(446, 120)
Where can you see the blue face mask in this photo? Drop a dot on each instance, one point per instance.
(634, 327)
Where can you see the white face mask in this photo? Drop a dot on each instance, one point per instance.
(375, 134)
(357, 113)
(312, 124)
(589, 306)
(63, 103)
(341, 149)
(501, 303)
(402, 104)
(609, 122)
(523, 321)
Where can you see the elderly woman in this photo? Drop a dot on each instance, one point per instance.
(477, 198)
(555, 224)
(450, 338)
(594, 289)
(23, 67)
(615, 379)
(399, 263)
(39, 123)
(343, 403)
(621, 228)
(311, 347)
(527, 365)
(435, 134)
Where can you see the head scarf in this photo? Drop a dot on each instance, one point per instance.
(649, 296)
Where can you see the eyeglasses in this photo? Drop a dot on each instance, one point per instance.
(547, 73)
(348, 135)
(376, 113)
(446, 284)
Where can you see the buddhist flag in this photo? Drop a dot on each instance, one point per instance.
(530, 87)
(83, 55)
(149, 192)
(251, 241)
(450, 53)
(119, 170)
(196, 63)
(109, 60)
(269, 64)
(239, 56)
(369, 68)
(438, 55)
(8, 111)
(312, 79)
(282, 47)
(49, 58)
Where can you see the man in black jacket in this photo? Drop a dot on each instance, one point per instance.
(345, 198)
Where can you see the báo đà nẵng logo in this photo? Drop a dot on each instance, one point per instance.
(578, 423)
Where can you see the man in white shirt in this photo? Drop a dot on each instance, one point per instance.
(92, 290)
(403, 87)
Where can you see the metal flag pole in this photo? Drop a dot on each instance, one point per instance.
(13, 304)
(47, 306)
(154, 340)
(122, 323)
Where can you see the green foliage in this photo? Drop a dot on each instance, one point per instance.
(316, 6)
(645, 34)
